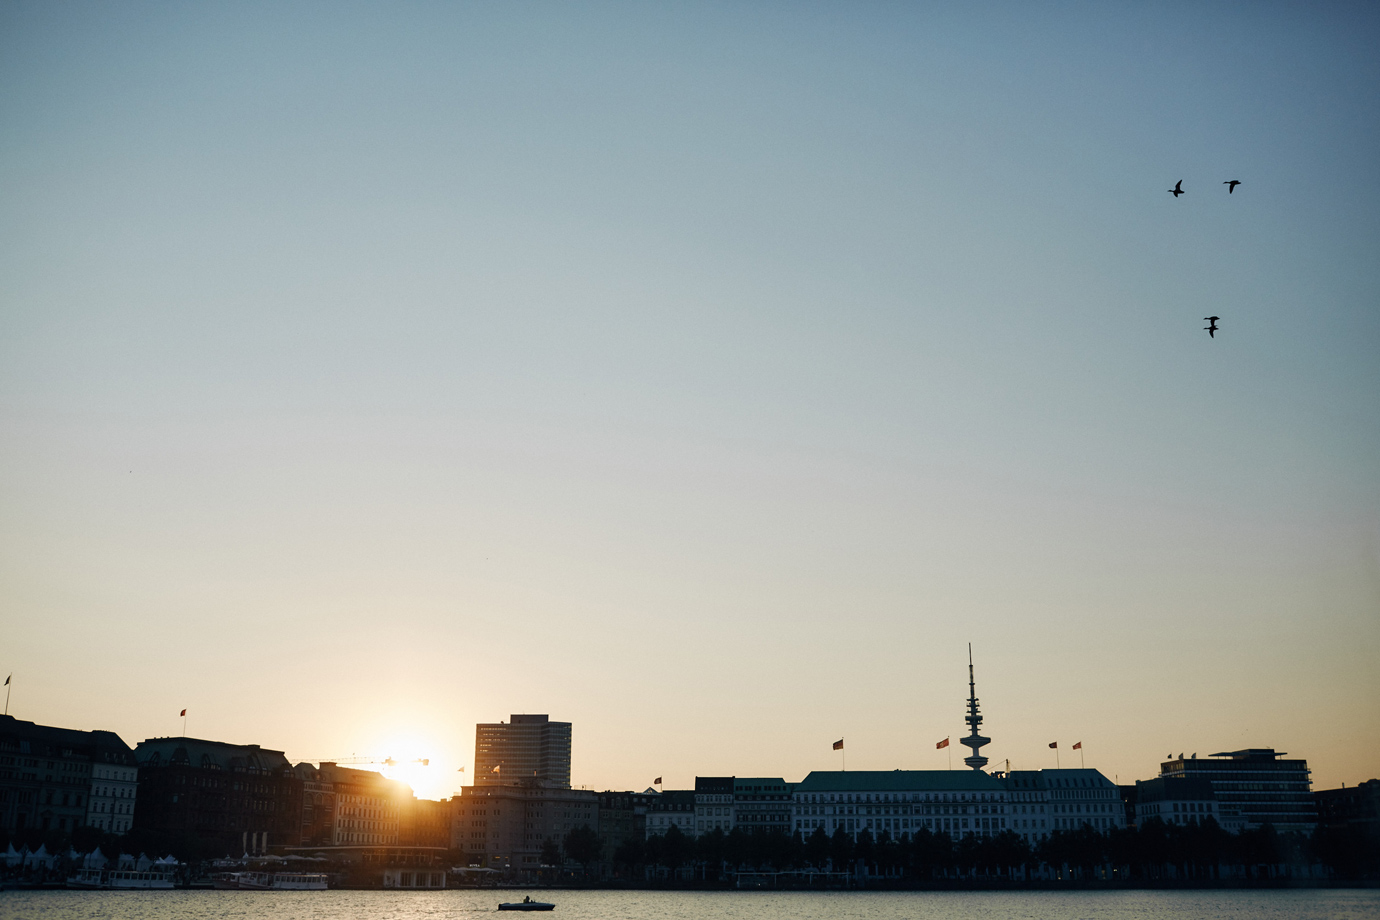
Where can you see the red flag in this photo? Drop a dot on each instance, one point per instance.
(183, 712)
(942, 744)
(838, 745)
(1078, 746)
(1054, 744)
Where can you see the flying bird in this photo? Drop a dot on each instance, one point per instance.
(1231, 185)
(1211, 327)
(1178, 189)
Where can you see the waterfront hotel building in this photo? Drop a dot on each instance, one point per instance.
(1031, 803)
(957, 802)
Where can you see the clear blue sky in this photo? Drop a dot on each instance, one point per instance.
(706, 375)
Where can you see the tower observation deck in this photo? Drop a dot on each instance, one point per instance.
(974, 719)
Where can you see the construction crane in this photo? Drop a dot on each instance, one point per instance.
(386, 761)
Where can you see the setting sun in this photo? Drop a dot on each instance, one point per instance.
(414, 761)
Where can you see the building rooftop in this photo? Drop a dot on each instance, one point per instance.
(100, 745)
(899, 781)
(210, 755)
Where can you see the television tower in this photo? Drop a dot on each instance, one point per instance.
(974, 740)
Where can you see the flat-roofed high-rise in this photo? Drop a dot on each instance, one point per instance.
(527, 748)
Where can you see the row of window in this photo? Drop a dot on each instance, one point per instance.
(890, 797)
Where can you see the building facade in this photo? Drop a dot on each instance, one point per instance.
(713, 804)
(1351, 806)
(367, 806)
(901, 802)
(1043, 801)
(426, 823)
(506, 826)
(1253, 788)
(527, 748)
(1189, 800)
(114, 783)
(762, 803)
(318, 807)
(672, 808)
(623, 817)
(217, 797)
(60, 779)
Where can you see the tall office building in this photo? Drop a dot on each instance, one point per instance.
(526, 749)
(1253, 787)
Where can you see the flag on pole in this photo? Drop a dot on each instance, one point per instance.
(1078, 746)
(495, 769)
(657, 781)
(182, 713)
(7, 680)
(942, 744)
(838, 745)
(1054, 744)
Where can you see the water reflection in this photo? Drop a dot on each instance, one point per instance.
(650, 905)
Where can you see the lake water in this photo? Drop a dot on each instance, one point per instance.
(658, 905)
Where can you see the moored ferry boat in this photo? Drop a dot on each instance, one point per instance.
(272, 881)
(119, 879)
(299, 881)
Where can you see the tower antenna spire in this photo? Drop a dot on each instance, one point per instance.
(974, 719)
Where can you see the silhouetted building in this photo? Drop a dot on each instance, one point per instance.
(1130, 796)
(672, 808)
(958, 802)
(62, 778)
(318, 807)
(1253, 787)
(1078, 798)
(426, 823)
(527, 748)
(713, 804)
(1355, 806)
(506, 826)
(1027, 799)
(114, 783)
(622, 817)
(1187, 800)
(216, 797)
(762, 803)
(366, 808)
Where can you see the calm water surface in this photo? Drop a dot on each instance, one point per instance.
(647, 905)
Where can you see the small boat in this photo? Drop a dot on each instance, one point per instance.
(526, 904)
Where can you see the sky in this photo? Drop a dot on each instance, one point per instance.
(706, 375)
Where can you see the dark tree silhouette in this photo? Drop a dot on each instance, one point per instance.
(583, 845)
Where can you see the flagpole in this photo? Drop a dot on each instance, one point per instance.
(949, 749)
(1080, 756)
(1056, 756)
(7, 694)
